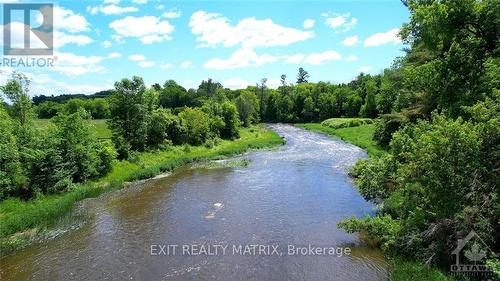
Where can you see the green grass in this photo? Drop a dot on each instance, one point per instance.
(101, 129)
(21, 220)
(415, 271)
(337, 123)
(361, 136)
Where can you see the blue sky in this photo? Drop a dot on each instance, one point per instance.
(234, 42)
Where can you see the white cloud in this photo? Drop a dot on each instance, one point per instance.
(246, 57)
(137, 58)
(67, 20)
(146, 63)
(172, 14)
(243, 57)
(186, 64)
(340, 22)
(294, 59)
(364, 69)
(140, 1)
(70, 64)
(213, 29)
(141, 61)
(114, 55)
(235, 83)
(111, 8)
(160, 7)
(61, 39)
(351, 41)
(322, 58)
(165, 66)
(383, 38)
(351, 58)
(148, 29)
(106, 43)
(308, 23)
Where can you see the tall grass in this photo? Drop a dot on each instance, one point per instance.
(361, 135)
(18, 216)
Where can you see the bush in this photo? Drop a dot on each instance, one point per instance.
(197, 124)
(337, 123)
(439, 184)
(385, 127)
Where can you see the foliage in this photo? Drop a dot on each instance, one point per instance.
(439, 183)
(337, 123)
(386, 127)
(197, 125)
(129, 115)
(248, 108)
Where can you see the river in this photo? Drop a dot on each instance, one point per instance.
(285, 198)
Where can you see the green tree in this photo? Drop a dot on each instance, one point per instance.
(129, 113)
(197, 125)
(17, 91)
(302, 76)
(12, 178)
(248, 107)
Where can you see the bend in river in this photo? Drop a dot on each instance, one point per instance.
(293, 195)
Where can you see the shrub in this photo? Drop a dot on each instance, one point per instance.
(385, 127)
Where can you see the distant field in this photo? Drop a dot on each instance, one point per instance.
(337, 123)
(100, 127)
(359, 135)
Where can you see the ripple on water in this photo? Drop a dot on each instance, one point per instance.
(292, 195)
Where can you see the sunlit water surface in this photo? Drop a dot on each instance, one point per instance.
(293, 195)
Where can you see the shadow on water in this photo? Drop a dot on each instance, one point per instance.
(294, 195)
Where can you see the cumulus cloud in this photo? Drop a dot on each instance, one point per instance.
(67, 20)
(322, 58)
(308, 23)
(213, 29)
(243, 57)
(340, 22)
(351, 41)
(61, 39)
(114, 55)
(246, 57)
(112, 8)
(106, 43)
(294, 59)
(71, 64)
(141, 61)
(383, 38)
(186, 64)
(164, 66)
(148, 29)
(351, 58)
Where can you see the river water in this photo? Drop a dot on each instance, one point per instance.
(285, 198)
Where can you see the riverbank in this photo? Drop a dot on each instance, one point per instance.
(20, 221)
(361, 136)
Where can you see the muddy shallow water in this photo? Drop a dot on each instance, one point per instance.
(289, 197)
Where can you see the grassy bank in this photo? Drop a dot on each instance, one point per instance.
(361, 136)
(402, 270)
(20, 220)
(100, 129)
